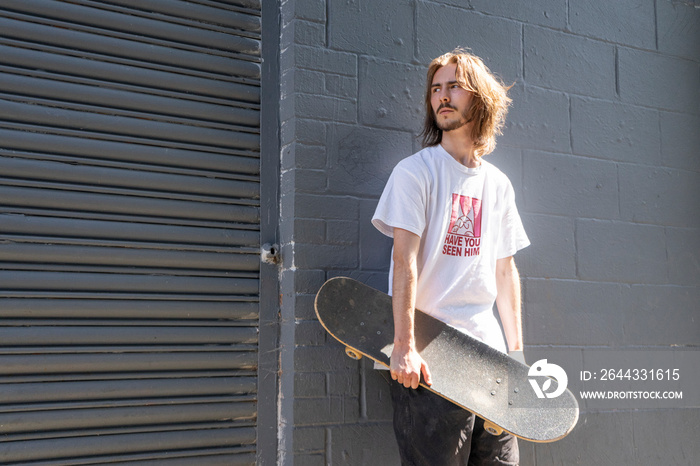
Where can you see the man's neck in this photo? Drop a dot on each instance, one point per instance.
(460, 146)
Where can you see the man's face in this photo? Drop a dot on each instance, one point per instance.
(449, 100)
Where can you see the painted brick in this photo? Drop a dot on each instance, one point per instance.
(287, 55)
(570, 185)
(683, 255)
(363, 26)
(376, 280)
(679, 28)
(568, 312)
(495, 40)
(661, 315)
(510, 161)
(310, 180)
(309, 231)
(309, 439)
(551, 253)
(538, 119)
(309, 385)
(309, 33)
(323, 256)
(317, 459)
(319, 59)
(629, 22)
(550, 13)
(564, 62)
(615, 131)
(320, 411)
(650, 125)
(286, 221)
(655, 80)
(309, 333)
(309, 281)
(345, 383)
(312, 132)
(322, 358)
(326, 207)
(307, 157)
(342, 232)
(287, 184)
(678, 443)
(597, 439)
(662, 196)
(361, 158)
(304, 306)
(455, 3)
(287, 83)
(373, 445)
(287, 107)
(621, 252)
(680, 140)
(325, 108)
(392, 93)
(287, 129)
(341, 86)
(313, 10)
(375, 248)
(308, 82)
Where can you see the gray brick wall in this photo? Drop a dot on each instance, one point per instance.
(602, 146)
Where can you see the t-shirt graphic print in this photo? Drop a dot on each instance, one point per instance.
(463, 237)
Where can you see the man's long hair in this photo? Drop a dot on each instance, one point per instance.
(489, 105)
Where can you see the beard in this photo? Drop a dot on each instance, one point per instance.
(450, 125)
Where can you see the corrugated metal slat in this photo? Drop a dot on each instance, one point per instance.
(143, 180)
(116, 444)
(128, 126)
(133, 232)
(87, 390)
(89, 94)
(73, 149)
(126, 72)
(146, 361)
(145, 27)
(97, 43)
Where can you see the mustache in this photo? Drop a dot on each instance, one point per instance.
(445, 105)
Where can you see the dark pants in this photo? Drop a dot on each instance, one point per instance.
(431, 431)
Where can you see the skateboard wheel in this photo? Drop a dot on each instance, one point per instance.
(492, 429)
(353, 354)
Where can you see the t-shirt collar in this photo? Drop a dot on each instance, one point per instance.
(451, 160)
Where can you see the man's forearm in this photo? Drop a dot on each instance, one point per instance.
(406, 363)
(508, 301)
(404, 302)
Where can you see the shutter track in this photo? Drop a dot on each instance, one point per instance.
(129, 231)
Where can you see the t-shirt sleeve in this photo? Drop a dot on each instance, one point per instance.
(513, 237)
(402, 204)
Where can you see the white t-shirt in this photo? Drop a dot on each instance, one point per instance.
(466, 219)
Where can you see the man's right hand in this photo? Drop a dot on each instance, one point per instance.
(407, 366)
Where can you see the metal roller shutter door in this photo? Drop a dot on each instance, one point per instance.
(129, 231)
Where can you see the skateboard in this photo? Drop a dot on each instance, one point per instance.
(465, 371)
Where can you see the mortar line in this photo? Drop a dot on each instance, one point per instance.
(656, 26)
(617, 71)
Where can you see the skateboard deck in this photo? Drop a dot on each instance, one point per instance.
(465, 371)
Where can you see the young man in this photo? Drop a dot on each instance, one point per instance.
(455, 226)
